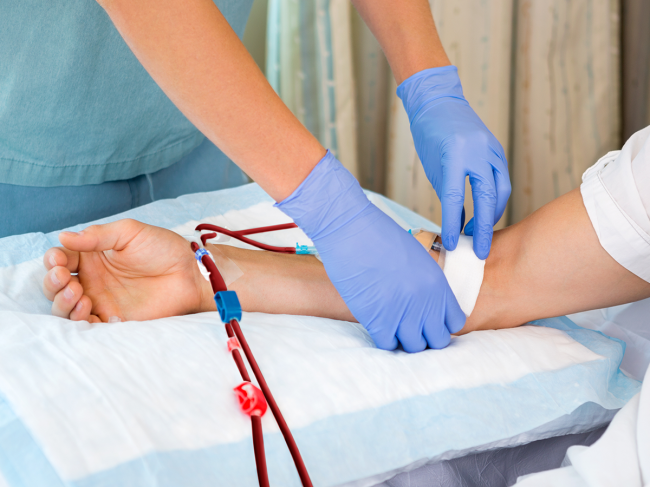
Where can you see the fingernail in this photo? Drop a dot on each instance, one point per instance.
(68, 293)
(73, 234)
(55, 280)
(114, 319)
(78, 306)
(52, 261)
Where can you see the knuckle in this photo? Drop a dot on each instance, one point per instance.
(453, 195)
(130, 223)
(482, 137)
(487, 198)
(457, 140)
(484, 224)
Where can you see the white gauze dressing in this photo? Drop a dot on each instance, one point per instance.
(463, 270)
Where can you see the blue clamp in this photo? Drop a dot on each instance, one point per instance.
(228, 306)
(200, 253)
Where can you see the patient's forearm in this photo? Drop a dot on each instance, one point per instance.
(283, 284)
(550, 264)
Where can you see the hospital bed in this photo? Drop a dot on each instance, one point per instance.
(151, 403)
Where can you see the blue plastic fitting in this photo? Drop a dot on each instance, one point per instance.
(305, 249)
(200, 253)
(228, 306)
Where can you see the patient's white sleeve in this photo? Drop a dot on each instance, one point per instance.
(616, 193)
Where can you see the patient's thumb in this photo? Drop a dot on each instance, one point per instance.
(96, 238)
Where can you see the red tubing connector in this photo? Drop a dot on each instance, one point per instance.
(251, 399)
(233, 344)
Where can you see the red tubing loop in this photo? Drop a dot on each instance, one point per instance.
(237, 342)
(241, 236)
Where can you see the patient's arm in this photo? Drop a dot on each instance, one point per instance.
(550, 264)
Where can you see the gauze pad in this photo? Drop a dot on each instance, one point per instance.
(463, 270)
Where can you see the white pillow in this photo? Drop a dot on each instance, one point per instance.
(151, 403)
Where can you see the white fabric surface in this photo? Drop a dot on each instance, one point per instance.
(616, 193)
(627, 322)
(620, 458)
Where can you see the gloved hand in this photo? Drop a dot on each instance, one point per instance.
(392, 286)
(452, 143)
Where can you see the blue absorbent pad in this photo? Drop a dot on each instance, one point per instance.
(151, 403)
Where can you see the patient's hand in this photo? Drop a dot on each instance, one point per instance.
(126, 270)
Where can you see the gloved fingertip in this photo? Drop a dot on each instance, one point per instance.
(483, 253)
(436, 333)
(454, 316)
(384, 343)
(481, 246)
(411, 348)
(469, 228)
(450, 242)
(456, 323)
(441, 341)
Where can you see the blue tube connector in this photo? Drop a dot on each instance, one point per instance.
(228, 306)
(306, 249)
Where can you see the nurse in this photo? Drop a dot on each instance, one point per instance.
(92, 124)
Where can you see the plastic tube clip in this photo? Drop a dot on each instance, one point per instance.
(233, 344)
(228, 306)
(251, 399)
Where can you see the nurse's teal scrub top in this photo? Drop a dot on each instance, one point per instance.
(76, 106)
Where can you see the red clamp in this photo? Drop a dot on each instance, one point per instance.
(251, 399)
(233, 344)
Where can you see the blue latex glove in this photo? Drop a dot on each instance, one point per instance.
(452, 143)
(390, 283)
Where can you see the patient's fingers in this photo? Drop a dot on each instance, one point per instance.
(60, 256)
(66, 299)
(94, 319)
(82, 309)
(96, 238)
(56, 279)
